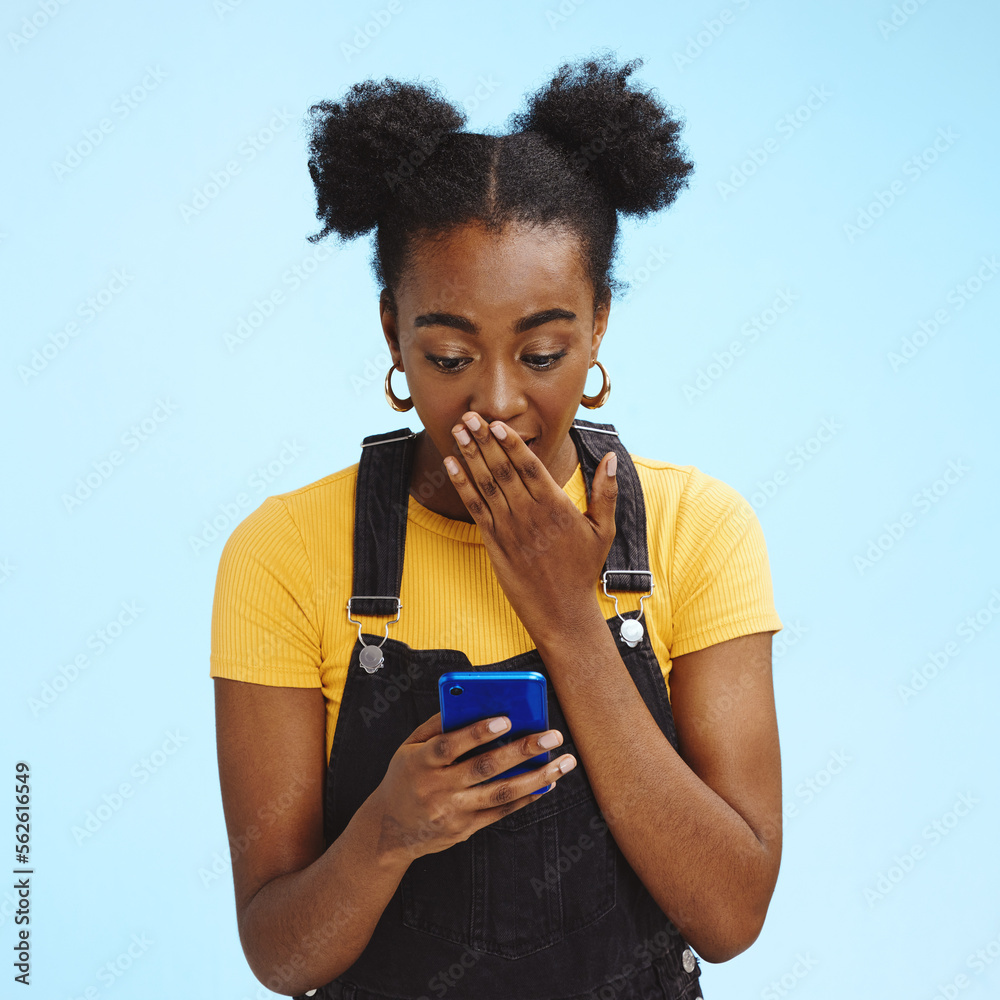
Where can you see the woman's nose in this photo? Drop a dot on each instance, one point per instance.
(498, 396)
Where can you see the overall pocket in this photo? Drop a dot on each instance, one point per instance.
(524, 882)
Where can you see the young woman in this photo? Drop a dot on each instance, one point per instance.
(506, 534)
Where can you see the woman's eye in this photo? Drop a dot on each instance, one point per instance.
(445, 364)
(540, 361)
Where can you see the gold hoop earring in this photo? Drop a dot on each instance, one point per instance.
(593, 402)
(394, 401)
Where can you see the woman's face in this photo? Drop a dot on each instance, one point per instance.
(500, 324)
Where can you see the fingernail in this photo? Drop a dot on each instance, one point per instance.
(473, 423)
(463, 436)
(499, 431)
(565, 765)
(612, 464)
(548, 740)
(451, 465)
(497, 724)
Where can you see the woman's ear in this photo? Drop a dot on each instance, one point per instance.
(387, 315)
(601, 313)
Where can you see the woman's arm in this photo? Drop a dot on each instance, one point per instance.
(305, 913)
(701, 829)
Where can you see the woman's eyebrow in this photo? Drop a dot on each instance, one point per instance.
(466, 325)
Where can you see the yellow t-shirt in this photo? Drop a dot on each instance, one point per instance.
(280, 611)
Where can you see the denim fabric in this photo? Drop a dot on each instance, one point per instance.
(540, 904)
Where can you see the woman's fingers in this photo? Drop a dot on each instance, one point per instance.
(431, 802)
(447, 749)
(530, 469)
(493, 467)
(427, 729)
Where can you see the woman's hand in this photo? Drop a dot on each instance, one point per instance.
(428, 802)
(547, 555)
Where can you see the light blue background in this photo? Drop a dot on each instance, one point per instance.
(854, 634)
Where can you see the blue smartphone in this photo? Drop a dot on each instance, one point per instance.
(468, 696)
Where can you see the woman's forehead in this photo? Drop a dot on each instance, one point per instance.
(474, 262)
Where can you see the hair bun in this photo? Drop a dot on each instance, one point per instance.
(362, 147)
(624, 138)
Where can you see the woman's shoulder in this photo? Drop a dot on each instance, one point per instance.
(684, 500)
(664, 468)
(301, 513)
(683, 484)
(331, 488)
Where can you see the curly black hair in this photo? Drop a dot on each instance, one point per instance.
(584, 148)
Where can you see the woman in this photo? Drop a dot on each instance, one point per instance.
(366, 864)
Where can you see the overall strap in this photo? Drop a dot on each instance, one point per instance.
(627, 565)
(380, 513)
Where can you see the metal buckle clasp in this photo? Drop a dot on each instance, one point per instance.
(631, 630)
(371, 661)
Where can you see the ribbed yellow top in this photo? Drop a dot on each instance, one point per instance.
(280, 611)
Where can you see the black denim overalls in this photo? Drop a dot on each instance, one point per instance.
(540, 904)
